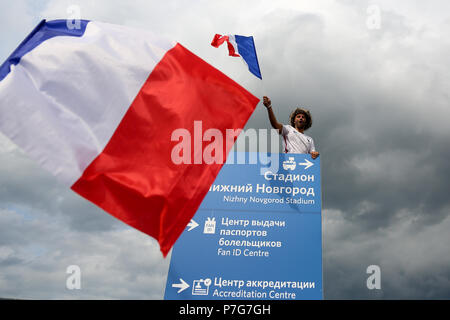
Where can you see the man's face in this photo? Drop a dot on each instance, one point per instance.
(300, 121)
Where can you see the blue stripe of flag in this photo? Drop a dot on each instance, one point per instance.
(43, 31)
(247, 50)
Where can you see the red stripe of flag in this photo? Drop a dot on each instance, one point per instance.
(219, 39)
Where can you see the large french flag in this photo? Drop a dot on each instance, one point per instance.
(97, 106)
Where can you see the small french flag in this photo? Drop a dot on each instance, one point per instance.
(240, 46)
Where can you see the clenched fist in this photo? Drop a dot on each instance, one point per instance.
(266, 102)
(314, 154)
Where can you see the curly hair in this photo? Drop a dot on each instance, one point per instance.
(307, 116)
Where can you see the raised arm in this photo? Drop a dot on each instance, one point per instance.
(273, 120)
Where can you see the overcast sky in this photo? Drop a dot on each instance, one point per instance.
(378, 94)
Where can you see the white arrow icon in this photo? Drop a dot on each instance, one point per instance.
(183, 285)
(192, 225)
(307, 164)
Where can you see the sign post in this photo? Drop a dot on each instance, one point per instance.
(255, 236)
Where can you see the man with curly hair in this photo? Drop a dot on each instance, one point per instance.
(295, 141)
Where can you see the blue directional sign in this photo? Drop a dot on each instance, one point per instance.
(257, 235)
(295, 187)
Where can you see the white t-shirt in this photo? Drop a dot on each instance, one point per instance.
(296, 142)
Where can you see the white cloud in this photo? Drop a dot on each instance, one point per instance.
(17, 21)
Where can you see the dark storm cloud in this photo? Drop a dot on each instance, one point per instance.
(377, 98)
(375, 144)
(413, 261)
